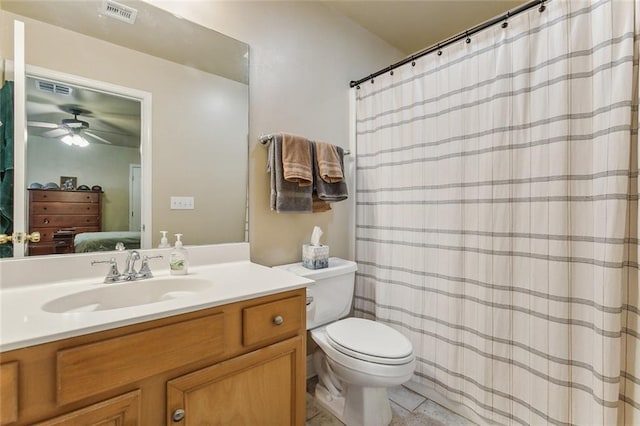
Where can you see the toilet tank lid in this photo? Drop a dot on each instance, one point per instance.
(337, 266)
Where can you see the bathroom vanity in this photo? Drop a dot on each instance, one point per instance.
(232, 354)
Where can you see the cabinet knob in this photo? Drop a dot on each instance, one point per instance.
(178, 415)
(277, 320)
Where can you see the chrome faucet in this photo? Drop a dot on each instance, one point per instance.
(130, 263)
(129, 274)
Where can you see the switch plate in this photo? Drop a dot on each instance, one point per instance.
(182, 203)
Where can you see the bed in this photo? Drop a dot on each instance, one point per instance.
(105, 241)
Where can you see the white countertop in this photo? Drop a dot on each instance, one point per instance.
(24, 323)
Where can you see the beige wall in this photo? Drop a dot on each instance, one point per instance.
(96, 164)
(302, 57)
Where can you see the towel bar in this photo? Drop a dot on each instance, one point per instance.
(266, 138)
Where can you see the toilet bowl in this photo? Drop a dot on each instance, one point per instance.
(357, 359)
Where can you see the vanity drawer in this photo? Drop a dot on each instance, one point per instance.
(90, 369)
(8, 393)
(273, 321)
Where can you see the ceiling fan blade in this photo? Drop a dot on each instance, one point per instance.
(42, 124)
(100, 138)
(55, 133)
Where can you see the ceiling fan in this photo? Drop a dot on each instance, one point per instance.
(70, 130)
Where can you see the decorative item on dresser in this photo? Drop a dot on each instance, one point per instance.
(60, 215)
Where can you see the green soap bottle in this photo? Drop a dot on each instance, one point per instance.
(178, 261)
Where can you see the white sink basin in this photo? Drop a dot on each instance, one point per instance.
(128, 294)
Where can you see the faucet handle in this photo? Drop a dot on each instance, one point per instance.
(145, 271)
(113, 274)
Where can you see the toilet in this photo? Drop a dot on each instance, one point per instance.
(357, 359)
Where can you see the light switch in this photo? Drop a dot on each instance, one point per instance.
(182, 203)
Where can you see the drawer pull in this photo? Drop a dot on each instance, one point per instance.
(277, 320)
(178, 415)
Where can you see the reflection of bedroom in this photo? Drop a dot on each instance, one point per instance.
(87, 142)
(96, 164)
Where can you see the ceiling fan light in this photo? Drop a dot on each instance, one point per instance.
(67, 139)
(80, 141)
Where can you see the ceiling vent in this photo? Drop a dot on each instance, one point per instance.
(51, 87)
(119, 11)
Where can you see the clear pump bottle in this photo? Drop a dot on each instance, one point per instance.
(178, 261)
(164, 242)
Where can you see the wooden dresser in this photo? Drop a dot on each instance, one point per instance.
(60, 215)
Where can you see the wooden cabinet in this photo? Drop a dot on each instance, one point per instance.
(253, 389)
(8, 393)
(59, 215)
(241, 364)
(122, 410)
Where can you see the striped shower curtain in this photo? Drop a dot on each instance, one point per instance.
(497, 215)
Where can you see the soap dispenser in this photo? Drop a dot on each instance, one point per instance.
(164, 242)
(178, 261)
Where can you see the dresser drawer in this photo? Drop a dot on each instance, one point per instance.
(65, 196)
(90, 369)
(64, 208)
(64, 221)
(273, 321)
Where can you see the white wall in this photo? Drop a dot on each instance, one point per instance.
(302, 57)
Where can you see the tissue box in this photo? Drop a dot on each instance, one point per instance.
(315, 257)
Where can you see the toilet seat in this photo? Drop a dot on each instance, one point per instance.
(369, 341)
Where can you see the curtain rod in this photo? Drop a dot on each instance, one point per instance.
(465, 34)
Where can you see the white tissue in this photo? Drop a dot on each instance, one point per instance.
(315, 236)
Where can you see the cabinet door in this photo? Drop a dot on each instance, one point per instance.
(266, 386)
(123, 410)
(8, 393)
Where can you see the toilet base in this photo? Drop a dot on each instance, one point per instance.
(360, 406)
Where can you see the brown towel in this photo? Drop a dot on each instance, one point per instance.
(319, 205)
(296, 160)
(328, 160)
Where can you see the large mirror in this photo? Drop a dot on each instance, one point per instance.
(197, 81)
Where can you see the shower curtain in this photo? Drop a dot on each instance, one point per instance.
(497, 215)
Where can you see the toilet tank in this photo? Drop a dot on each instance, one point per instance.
(330, 297)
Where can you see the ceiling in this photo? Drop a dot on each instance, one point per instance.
(111, 120)
(411, 26)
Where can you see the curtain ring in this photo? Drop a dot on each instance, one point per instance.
(439, 50)
(505, 24)
(542, 7)
(468, 40)
(413, 61)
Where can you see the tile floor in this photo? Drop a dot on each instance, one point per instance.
(408, 408)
